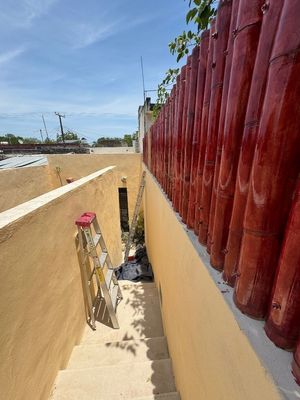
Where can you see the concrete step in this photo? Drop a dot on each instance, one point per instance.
(117, 382)
(164, 396)
(95, 355)
(137, 284)
(138, 314)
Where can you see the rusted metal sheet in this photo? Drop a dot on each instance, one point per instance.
(244, 54)
(275, 168)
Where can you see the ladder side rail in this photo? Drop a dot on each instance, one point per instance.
(135, 217)
(111, 294)
(93, 254)
(85, 280)
(101, 278)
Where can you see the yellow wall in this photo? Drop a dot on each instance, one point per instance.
(18, 185)
(79, 165)
(212, 358)
(41, 302)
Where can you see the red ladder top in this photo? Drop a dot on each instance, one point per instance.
(85, 219)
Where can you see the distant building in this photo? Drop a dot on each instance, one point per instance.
(145, 121)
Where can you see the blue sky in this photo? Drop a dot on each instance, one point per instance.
(82, 58)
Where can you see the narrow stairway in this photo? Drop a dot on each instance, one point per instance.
(128, 363)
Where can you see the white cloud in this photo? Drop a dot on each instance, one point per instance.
(21, 13)
(10, 55)
(87, 35)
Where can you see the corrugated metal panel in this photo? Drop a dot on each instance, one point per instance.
(23, 161)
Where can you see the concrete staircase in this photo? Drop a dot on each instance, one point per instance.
(129, 363)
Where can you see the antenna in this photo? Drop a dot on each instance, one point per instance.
(143, 79)
(45, 127)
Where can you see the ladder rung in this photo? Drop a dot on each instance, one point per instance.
(102, 258)
(96, 238)
(108, 276)
(114, 295)
(91, 276)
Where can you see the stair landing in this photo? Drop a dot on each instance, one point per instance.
(127, 363)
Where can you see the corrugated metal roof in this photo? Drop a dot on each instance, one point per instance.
(23, 161)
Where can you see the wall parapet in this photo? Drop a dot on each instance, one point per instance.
(42, 307)
(13, 214)
(209, 332)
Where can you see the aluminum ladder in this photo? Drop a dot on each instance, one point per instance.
(135, 216)
(90, 240)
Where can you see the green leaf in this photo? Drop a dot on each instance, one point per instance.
(191, 14)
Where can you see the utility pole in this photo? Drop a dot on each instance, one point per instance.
(60, 116)
(45, 127)
(41, 133)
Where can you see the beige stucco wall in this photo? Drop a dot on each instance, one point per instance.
(41, 302)
(18, 185)
(79, 165)
(111, 150)
(212, 358)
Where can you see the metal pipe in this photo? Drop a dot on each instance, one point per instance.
(166, 150)
(175, 141)
(282, 325)
(275, 168)
(178, 150)
(189, 133)
(184, 124)
(296, 363)
(220, 37)
(228, 63)
(244, 54)
(197, 128)
(272, 10)
(173, 132)
(204, 125)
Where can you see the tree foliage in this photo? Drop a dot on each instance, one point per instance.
(15, 140)
(68, 135)
(128, 140)
(198, 17)
(106, 141)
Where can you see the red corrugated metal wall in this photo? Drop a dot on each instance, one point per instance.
(226, 150)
